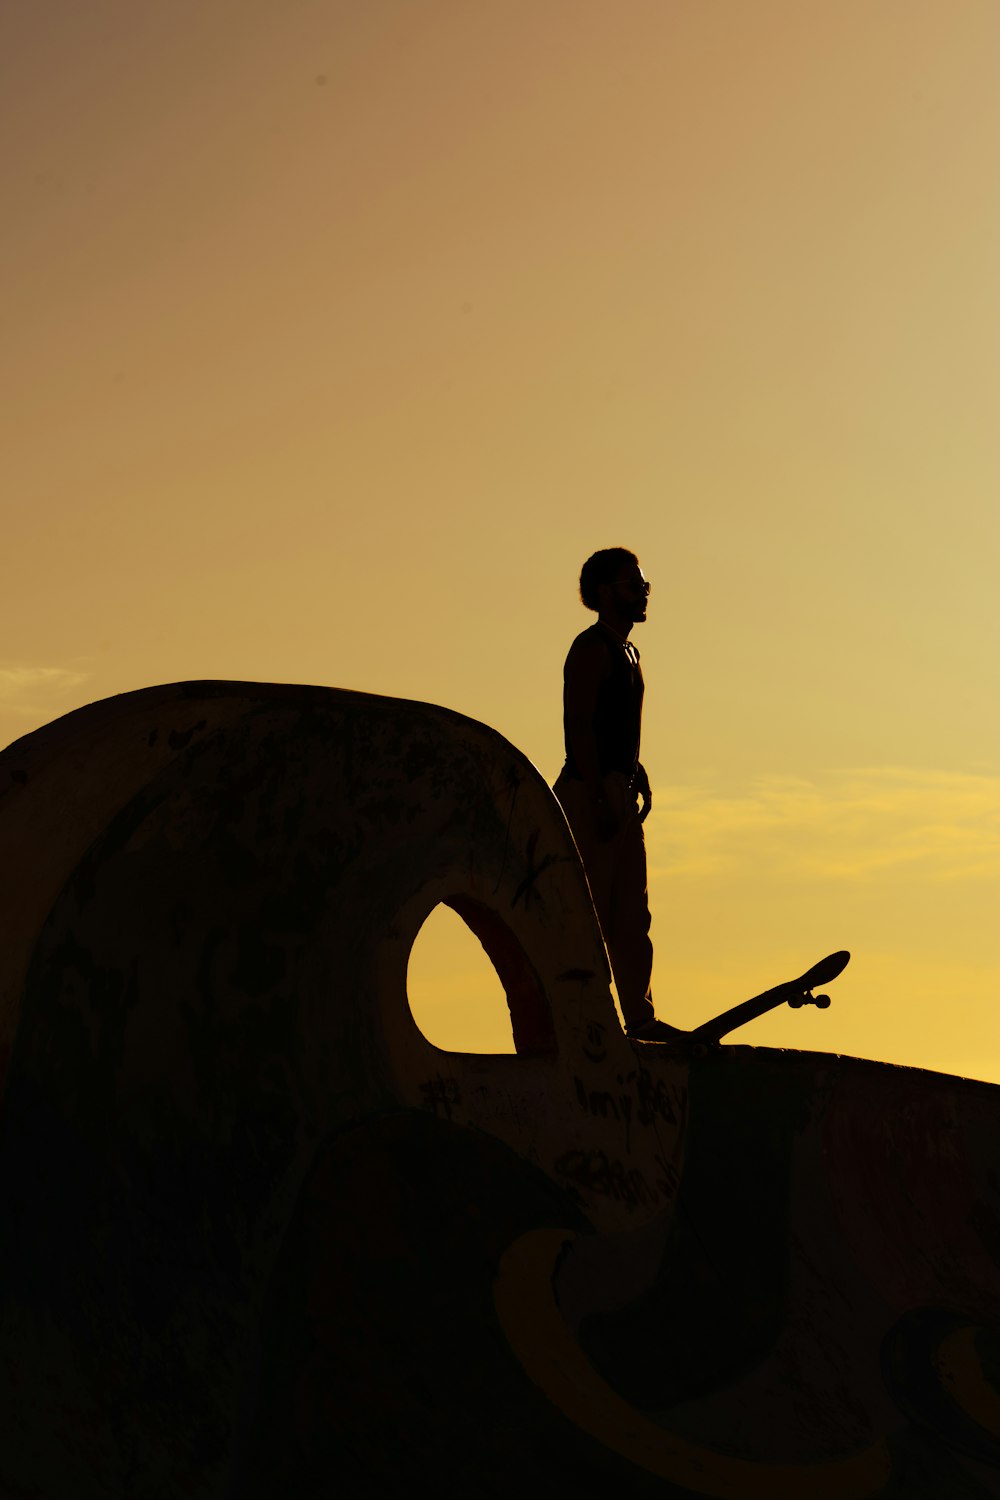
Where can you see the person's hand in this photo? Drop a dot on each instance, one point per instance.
(643, 792)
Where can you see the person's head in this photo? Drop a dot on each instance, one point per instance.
(612, 583)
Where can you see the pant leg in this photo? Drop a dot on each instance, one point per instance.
(616, 873)
(627, 936)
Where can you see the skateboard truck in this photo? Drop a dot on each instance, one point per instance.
(821, 1001)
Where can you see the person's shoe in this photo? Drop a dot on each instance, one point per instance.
(655, 1031)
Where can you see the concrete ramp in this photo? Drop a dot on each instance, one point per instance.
(260, 1238)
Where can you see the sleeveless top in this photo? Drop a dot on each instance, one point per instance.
(618, 717)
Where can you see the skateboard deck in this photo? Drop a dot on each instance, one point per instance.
(794, 992)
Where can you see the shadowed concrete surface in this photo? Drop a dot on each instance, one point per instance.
(259, 1237)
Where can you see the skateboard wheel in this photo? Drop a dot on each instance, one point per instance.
(797, 1001)
(823, 1001)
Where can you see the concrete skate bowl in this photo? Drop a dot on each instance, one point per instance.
(261, 1238)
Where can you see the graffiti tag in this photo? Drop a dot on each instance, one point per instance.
(441, 1095)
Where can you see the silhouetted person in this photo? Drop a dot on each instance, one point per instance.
(603, 782)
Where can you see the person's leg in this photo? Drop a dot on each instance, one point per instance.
(616, 873)
(627, 934)
(598, 857)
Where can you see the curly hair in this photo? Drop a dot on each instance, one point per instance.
(602, 567)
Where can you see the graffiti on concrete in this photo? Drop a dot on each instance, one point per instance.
(441, 1095)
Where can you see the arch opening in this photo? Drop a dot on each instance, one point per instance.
(461, 1003)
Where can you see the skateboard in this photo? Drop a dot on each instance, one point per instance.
(794, 992)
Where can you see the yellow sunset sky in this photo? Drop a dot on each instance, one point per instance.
(336, 336)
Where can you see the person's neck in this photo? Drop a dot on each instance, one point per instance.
(620, 627)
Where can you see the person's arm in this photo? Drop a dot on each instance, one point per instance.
(588, 665)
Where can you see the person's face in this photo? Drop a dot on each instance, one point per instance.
(630, 592)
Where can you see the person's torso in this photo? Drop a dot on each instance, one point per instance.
(618, 715)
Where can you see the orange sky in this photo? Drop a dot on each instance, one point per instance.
(337, 335)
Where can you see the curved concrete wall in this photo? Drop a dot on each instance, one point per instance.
(259, 1236)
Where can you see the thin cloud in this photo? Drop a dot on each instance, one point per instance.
(844, 825)
(32, 690)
